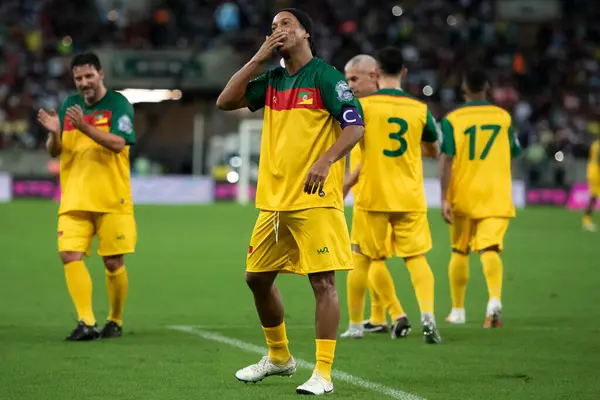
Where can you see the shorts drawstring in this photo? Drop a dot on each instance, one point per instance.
(276, 226)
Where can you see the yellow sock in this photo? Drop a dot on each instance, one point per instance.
(381, 279)
(325, 353)
(458, 270)
(277, 341)
(117, 284)
(587, 219)
(79, 284)
(422, 280)
(357, 283)
(377, 310)
(492, 269)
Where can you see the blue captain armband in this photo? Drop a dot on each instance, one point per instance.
(350, 116)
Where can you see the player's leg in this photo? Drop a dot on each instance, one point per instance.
(117, 236)
(75, 232)
(588, 224)
(369, 234)
(324, 247)
(381, 278)
(488, 241)
(272, 249)
(377, 322)
(412, 240)
(461, 232)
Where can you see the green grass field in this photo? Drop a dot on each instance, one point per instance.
(189, 269)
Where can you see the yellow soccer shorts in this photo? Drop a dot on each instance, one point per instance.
(301, 242)
(359, 224)
(468, 234)
(409, 231)
(594, 187)
(117, 233)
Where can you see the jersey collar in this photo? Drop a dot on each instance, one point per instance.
(477, 103)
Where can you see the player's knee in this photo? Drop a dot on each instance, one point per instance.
(495, 248)
(464, 253)
(259, 282)
(70, 256)
(113, 263)
(322, 282)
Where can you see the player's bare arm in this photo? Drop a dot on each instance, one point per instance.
(108, 140)
(232, 97)
(446, 162)
(315, 179)
(351, 180)
(430, 149)
(50, 121)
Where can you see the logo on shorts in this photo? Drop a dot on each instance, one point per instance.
(250, 249)
(324, 250)
(60, 233)
(121, 237)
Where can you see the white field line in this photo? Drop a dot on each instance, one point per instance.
(338, 375)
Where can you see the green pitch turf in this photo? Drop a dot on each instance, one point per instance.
(189, 271)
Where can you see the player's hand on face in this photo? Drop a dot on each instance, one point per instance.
(315, 179)
(447, 212)
(272, 42)
(75, 115)
(49, 120)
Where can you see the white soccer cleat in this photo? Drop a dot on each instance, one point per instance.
(316, 386)
(457, 316)
(589, 227)
(355, 331)
(493, 314)
(265, 367)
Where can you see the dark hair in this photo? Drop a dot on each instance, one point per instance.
(86, 59)
(390, 60)
(476, 79)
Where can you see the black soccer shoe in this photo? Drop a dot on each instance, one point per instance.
(430, 333)
(111, 330)
(401, 328)
(371, 328)
(84, 332)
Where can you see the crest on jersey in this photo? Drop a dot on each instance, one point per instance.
(125, 124)
(344, 93)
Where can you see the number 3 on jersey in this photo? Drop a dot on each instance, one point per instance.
(472, 130)
(403, 128)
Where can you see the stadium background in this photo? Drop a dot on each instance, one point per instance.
(172, 57)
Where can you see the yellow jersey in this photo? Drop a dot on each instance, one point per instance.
(480, 137)
(300, 125)
(391, 172)
(92, 177)
(355, 159)
(593, 166)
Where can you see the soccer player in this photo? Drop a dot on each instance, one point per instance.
(92, 133)
(362, 73)
(311, 120)
(391, 193)
(478, 142)
(593, 175)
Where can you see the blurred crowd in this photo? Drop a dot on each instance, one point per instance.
(547, 74)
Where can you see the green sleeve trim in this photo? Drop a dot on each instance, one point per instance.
(430, 132)
(515, 146)
(121, 121)
(256, 92)
(335, 92)
(448, 147)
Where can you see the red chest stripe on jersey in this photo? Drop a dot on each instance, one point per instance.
(97, 118)
(281, 100)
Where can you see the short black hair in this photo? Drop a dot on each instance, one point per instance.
(476, 79)
(391, 61)
(86, 59)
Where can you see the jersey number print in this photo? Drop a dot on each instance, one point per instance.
(472, 131)
(397, 136)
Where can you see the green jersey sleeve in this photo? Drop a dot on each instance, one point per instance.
(448, 147)
(256, 92)
(430, 133)
(515, 146)
(335, 92)
(121, 121)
